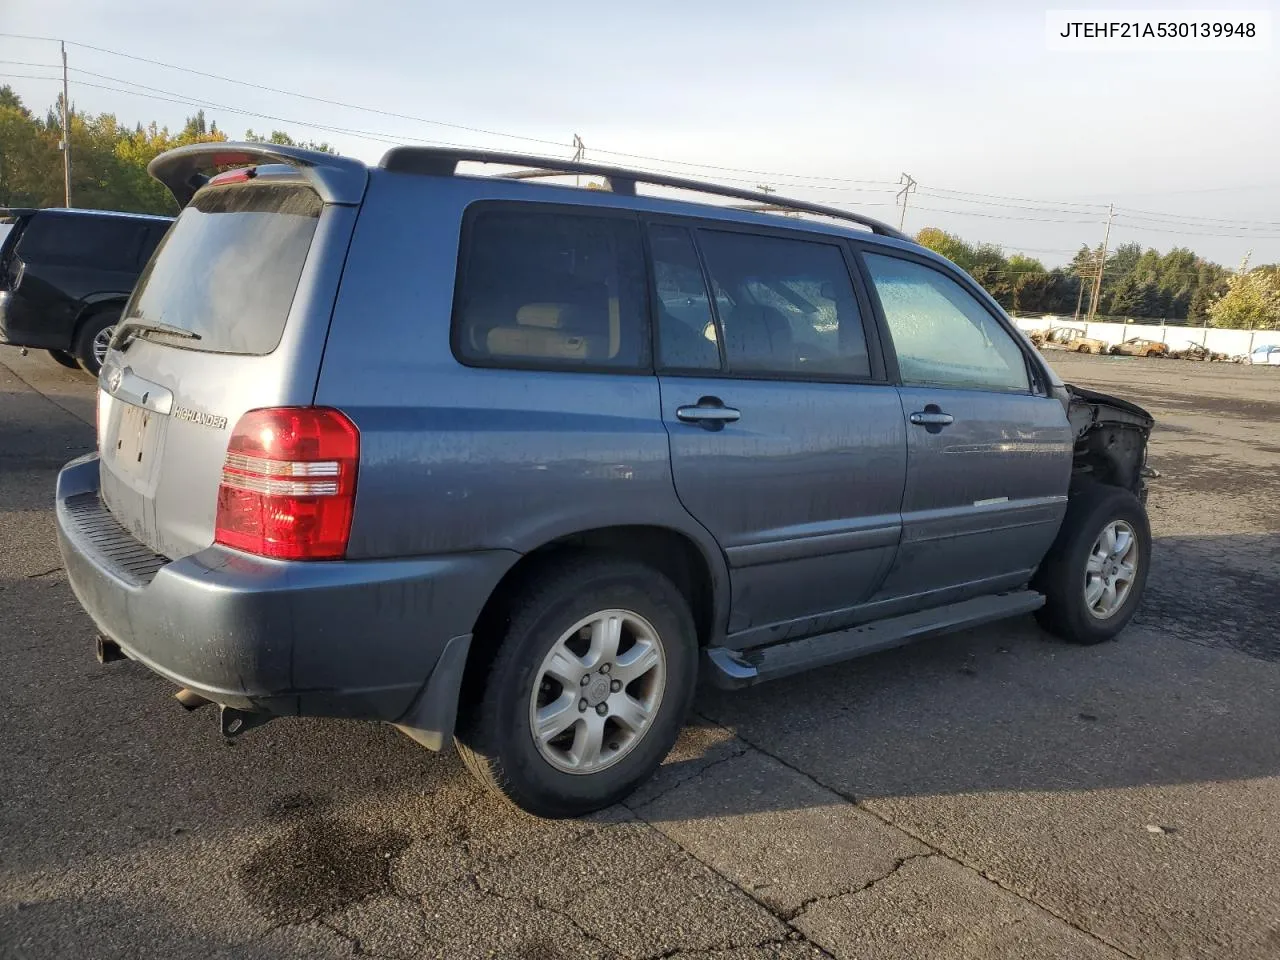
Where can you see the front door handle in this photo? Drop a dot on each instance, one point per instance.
(931, 418)
(709, 412)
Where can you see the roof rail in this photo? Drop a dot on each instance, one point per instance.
(444, 162)
(337, 179)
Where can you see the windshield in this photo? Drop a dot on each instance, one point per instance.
(228, 269)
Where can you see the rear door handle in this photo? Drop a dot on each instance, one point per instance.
(931, 418)
(709, 412)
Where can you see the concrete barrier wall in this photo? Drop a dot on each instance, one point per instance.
(1231, 342)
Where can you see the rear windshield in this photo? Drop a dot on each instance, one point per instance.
(229, 267)
(85, 240)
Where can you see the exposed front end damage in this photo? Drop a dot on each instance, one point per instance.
(1110, 440)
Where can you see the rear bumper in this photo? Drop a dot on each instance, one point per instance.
(339, 639)
(22, 326)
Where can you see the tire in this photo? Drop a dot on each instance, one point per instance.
(1084, 348)
(65, 359)
(89, 339)
(495, 735)
(1065, 578)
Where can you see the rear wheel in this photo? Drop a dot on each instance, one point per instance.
(588, 690)
(94, 338)
(1096, 570)
(64, 358)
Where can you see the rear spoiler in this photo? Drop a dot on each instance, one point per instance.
(13, 213)
(184, 170)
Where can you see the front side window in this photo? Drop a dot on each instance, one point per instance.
(787, 307)
(546, 288)
(942, 335)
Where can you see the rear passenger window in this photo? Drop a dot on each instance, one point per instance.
(786, 306)
(686, 327)
(87, 240)
(552, 289)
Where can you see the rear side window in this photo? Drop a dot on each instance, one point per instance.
(229, 266)
(552, 289)
(101, 243)
(787, 307)
(686, 326)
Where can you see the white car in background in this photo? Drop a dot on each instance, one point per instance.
(1267, 353)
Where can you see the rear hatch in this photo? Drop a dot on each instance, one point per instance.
(230, 315)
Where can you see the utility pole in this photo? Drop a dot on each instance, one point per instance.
(908, 186)
(579, 152)
(66, 130)
(1102, 264)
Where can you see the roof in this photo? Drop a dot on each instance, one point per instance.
(343, 180)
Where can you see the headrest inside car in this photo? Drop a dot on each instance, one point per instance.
(549, 315)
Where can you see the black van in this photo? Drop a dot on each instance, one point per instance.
(65, 276)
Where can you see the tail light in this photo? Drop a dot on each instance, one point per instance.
(289, 484)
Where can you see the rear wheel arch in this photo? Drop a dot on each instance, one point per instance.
(96, 307)
(88, 325)
(670, 552)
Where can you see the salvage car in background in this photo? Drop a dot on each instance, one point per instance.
(1268, 354)
(1140, 347)
(1086, 345)
(65, 276)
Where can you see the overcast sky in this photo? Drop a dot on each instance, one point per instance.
(962, 97)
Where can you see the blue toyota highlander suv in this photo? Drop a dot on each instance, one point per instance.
(512, 464)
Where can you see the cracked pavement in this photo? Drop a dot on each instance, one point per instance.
(991, 794)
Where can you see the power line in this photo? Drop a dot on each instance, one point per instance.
(998, 216)
(933, 192)
(441, 123)
(1000, 196)
(1199, 233)
(1189, 218)
(793, 180)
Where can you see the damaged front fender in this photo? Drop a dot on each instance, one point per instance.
(1111, 437)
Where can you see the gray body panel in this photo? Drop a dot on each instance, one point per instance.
(168, 499)
(984, 496)
(803, 493)
(820, 509)
(355, 639)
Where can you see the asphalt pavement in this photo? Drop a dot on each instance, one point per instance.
(993, 794)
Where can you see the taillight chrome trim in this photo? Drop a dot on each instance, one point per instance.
(265, 467)
(273, 487)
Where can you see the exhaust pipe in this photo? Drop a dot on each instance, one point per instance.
(190, 700)
(108, 651)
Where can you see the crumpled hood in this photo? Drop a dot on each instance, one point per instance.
(1108, 407)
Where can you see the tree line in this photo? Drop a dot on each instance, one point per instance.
(108, 159)
(1137, 284)
(109, 172)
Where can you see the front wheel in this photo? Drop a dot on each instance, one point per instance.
(1095, 572)
(588, 690)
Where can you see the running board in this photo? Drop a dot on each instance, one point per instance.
(734, 669)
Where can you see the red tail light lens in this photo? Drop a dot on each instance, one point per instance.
(289, 484)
